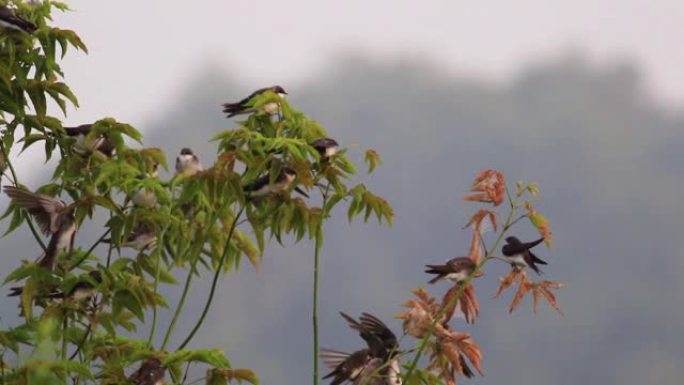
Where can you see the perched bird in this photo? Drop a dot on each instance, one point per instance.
(9, 20)
(82, 290)
(141, 238)
(187, 163)
(243, 106)
(151, 372)
(145, 197)
(86, 146)
(456, 269)
(358, 366)
(326, 147)
(54, 218)
(263, 187)
(519, 254)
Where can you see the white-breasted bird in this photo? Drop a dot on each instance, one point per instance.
(187, 163)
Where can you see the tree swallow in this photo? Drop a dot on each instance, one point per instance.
(187, 163)
(520, 255)
(456, 270)
(326, 147)
(356, 367)
(263, 187)
(243, 107)
(141, 238)
(54, 218)
(82, 290)
(144, 197)
(86, 146)
(11, 21)
(151, 372)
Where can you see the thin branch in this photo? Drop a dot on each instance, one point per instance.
(181, 301)
(90, 250)
(80, 344)
(508, 226)
(314, 316)
(226, 249)
(158, 252)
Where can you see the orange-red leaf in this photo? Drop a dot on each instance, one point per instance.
(523, 288)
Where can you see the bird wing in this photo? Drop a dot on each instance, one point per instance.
(532, 244)
(333, 358)
(258, 183)
(83, 129)
(461, 263)
(383, 340)
(43, 208)
(511, 249)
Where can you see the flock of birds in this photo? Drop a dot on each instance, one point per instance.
(377, 364)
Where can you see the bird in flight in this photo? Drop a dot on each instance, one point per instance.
(380, 354)
(519, 254)
(54, 218)
(244, 107)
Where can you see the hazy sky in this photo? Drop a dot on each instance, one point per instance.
(141, 51)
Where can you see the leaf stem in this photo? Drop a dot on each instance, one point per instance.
(314, 314)
(158, 252)
(90, 250)
(184, 295)
(226, 249)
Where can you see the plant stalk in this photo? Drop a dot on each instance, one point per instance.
(226, 249)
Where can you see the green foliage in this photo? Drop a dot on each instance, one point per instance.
(197, 219)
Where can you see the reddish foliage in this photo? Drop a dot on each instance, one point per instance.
(525, 285)
(489, 187)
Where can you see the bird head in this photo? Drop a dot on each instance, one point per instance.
(512, 240)
(279, 90)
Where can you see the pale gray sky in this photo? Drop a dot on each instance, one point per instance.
(141, 51)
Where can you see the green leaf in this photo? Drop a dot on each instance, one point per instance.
(372, 158)
(125, 299)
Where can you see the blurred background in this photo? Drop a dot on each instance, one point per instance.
(584, 97)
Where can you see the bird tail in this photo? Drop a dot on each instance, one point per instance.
(466, 369)
(297, 189)
(15, 291)
(435, 269)
(436, 279)
(537, 259)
